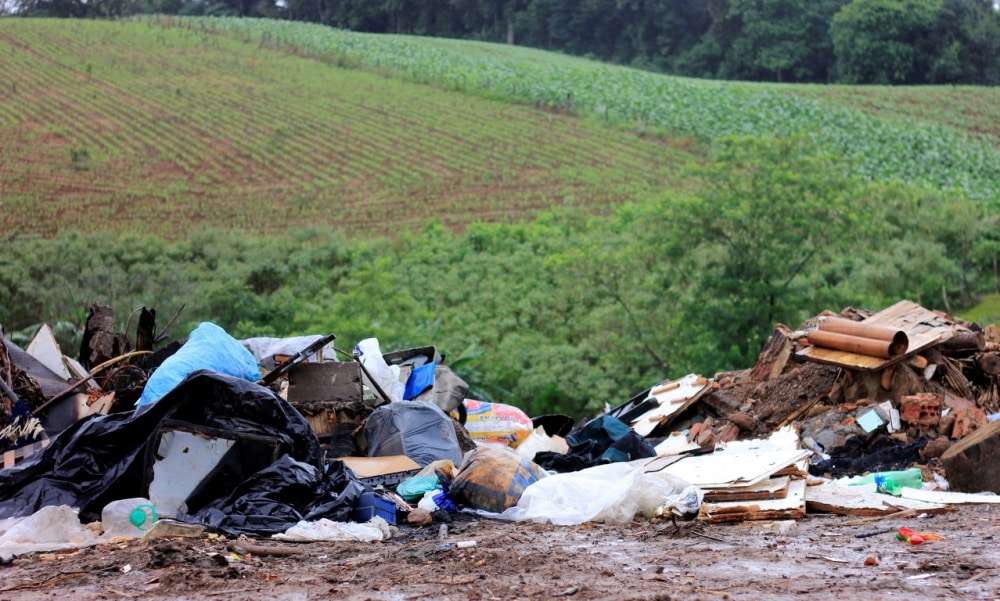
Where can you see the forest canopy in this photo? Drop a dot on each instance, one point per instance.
(846, 41)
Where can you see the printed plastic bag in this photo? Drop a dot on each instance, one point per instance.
(497, 423)
(385, 375)
(208, 347)
(493, 478)
(613, 493)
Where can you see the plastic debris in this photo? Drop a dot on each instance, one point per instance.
(326, 530)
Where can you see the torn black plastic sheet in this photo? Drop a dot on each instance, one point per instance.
(101, 459)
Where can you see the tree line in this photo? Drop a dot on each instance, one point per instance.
(842, 41)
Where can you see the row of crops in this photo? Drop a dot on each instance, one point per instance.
(161, 127)
(875, 148)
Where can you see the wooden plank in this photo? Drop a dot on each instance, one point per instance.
(368, 467)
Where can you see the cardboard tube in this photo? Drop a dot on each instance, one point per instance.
(854, 344)
(857, 328)
(860, 329)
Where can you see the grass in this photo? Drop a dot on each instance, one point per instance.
(986, 312)
(938, 150)
(129, 126)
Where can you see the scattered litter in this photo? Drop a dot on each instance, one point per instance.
(917, 538)
(613, 493)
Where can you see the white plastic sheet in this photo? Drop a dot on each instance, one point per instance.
(385, 375)
(52, 528)
(613, 493)
(327, 530)
(264, 349)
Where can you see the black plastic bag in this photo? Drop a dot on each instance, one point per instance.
(101, 459)
(281, 495)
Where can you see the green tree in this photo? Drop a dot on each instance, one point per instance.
(779, 39)
(772, 211)
(885, 41)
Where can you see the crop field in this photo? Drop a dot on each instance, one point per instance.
(129, 126)
(880, 139)
(974, 110)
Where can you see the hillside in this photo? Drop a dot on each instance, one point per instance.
(162, 124)
(129, 126)
(875, 144)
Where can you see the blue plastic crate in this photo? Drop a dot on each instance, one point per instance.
(371, 505)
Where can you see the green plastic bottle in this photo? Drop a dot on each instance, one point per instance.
(892, 483)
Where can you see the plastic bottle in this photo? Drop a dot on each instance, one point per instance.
(892, 482)
(128, 517)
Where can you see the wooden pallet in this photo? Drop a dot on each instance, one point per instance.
(18, 455)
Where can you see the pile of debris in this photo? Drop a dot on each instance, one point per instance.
(299, 440)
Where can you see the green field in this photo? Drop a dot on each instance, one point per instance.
(160, 124)
(923, 145)
(974, 110)
(136, 127)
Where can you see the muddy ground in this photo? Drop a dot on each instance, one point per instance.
(819, 557)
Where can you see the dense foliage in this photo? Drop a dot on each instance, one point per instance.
(568, 311)
(871, 147)
(919, 41)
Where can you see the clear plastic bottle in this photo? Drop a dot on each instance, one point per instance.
(128, 517)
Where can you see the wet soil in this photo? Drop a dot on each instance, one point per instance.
(819, 557)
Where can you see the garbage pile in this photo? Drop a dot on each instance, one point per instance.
(296, 439)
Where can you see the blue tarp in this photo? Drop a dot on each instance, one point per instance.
(421, 378)
(208, 347)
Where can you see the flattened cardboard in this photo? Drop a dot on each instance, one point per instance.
(793, 506)
(773, 488)
(370, 467)
(834, 497)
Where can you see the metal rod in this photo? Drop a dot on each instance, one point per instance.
(364, 370)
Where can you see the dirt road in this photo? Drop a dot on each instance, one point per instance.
(819, 557)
